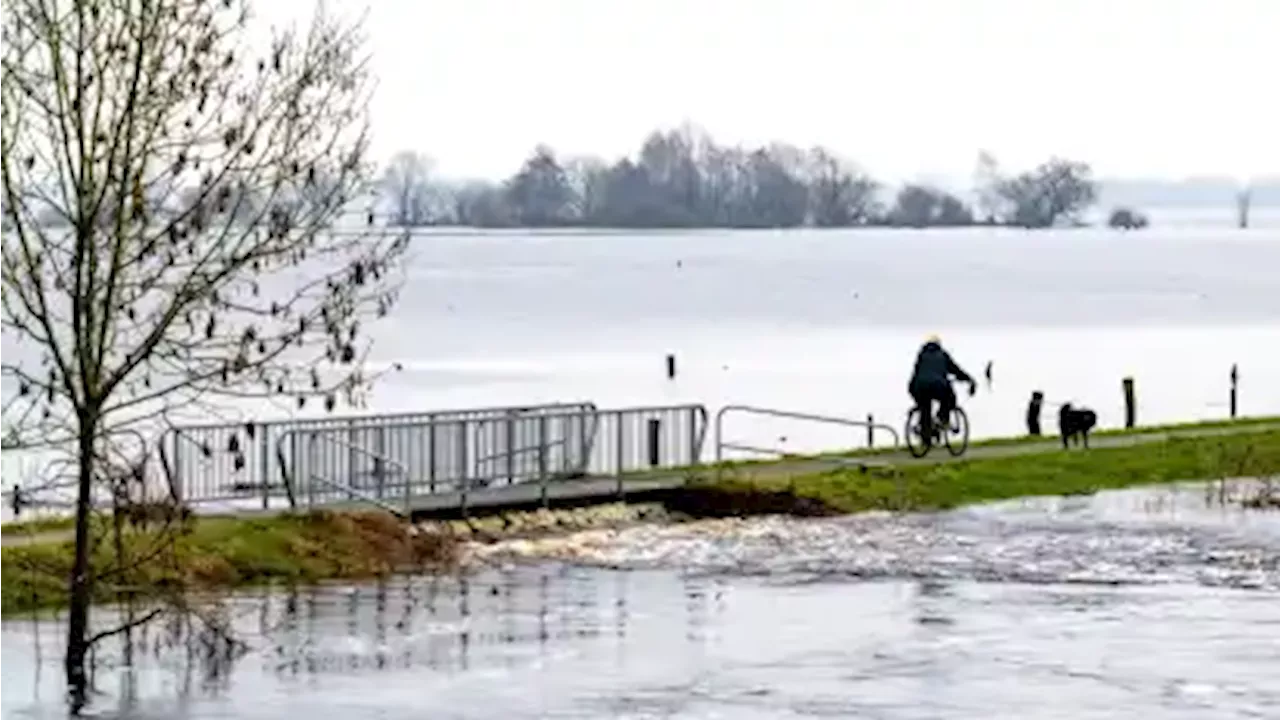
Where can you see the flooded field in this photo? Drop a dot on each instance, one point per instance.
(1156, 603)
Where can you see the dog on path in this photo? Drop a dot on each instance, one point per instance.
(1075, 423)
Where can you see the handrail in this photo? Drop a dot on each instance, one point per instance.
(559, 412)
(373, 420)
(348, 489)
(512, 452)
(772, 412)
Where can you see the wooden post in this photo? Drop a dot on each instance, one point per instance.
(655, 439)
(871, 430)
(1033, 413)
(671, 367)
(1130, 404)
(1235, 381)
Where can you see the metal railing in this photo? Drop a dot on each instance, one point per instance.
(351, 493)
(435, 456)
(467, 459)
(240, 461)
(722, 444)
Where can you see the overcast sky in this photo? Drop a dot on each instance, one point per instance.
(908, 88)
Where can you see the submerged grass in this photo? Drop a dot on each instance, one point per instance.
(223, 552)
(948, 485)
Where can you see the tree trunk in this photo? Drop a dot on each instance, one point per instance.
(81, 589)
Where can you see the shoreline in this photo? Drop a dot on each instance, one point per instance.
(211, 553)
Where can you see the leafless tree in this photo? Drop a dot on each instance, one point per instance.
(406, 183)
(147, 127)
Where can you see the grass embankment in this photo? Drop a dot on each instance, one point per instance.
(223, 552)
(947, 485)
(1186, 428)
(38, 525)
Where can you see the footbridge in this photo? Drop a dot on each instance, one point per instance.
(450, 461)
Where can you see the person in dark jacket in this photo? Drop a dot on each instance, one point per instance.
(930, 381)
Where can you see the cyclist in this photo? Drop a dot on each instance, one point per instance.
(929, 382)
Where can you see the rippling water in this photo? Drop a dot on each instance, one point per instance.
(1156, 603)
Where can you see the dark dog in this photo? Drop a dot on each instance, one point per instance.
(1076, 423)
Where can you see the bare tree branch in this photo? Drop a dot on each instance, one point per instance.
(178, 235)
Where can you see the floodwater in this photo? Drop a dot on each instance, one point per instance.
(1159, 603)
(829, 322)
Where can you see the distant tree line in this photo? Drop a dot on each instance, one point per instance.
(684, 179)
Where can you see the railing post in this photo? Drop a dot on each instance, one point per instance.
(264, 467)
(465, 487)
(379, 464)
(719, 438)
(311, 484)
(353, 458)
(542, 456)
(871, 431)
(299, 474)
(695, 452)
(179, 489)
(408, 490)
(617, 415)
(655, 442)
(431, 454)
(511, 448)
(584, 438)
(464, 477)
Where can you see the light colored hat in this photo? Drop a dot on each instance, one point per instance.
(933, 338)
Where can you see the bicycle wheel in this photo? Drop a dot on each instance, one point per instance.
(917, 444)
(956, 434)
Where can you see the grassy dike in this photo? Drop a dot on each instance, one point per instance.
(928, 486)
(223, 552)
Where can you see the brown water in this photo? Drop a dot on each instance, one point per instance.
(1159, 604)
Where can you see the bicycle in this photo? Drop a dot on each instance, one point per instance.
(954, 434)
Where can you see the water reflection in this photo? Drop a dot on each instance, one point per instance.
(501, 620)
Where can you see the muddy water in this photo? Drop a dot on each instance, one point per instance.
(1159, 604)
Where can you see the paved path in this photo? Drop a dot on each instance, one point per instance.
(528, 494)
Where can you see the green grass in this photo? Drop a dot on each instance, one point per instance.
(38, 525)
(939, 486)
(1242, 424)
(222, 552)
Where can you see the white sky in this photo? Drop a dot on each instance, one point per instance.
(905, 87)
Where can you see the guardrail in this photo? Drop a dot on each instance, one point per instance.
(228, 462)
(722, 444)
(393, 464)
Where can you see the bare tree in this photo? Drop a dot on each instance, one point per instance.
(113, 110)
(1055, 190)
(407, 184)
(986, 183)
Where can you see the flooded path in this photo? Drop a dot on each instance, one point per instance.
(1154, 603)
